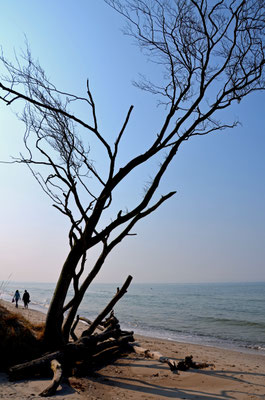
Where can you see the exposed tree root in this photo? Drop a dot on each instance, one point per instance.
(57, 378)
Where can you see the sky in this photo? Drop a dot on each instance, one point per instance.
(212, 230)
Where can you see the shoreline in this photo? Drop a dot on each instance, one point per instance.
(226, 346)
(235, 375)
(36, 315)
(227, 316)
(205, 341)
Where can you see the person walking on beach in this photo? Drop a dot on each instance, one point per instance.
(16, 297)
(26, 299)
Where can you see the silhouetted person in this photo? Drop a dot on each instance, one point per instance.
(16, 297)
(25, 298)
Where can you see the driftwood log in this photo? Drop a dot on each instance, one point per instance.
(155, 355)
(182, 365)
(57, 377)
(39, 366)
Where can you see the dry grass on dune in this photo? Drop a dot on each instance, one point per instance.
(19, 339)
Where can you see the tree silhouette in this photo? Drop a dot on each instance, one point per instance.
(211, 54)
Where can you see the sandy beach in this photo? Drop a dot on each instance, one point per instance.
(235, 375)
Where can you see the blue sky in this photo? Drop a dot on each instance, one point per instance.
(212, 230)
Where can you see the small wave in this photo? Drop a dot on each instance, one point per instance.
(236, 322)
(256, 347)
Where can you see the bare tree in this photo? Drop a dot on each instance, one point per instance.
(211, 54)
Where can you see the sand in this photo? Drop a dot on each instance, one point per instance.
(235, 375)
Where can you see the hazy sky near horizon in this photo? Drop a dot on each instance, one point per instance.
(212, 230)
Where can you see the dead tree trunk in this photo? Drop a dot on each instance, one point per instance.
(53, 337)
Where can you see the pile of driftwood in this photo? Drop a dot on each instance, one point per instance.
(78, 357)
(81, 355)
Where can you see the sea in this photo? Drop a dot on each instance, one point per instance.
(224, 315)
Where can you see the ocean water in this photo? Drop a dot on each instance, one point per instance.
(224, 315)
